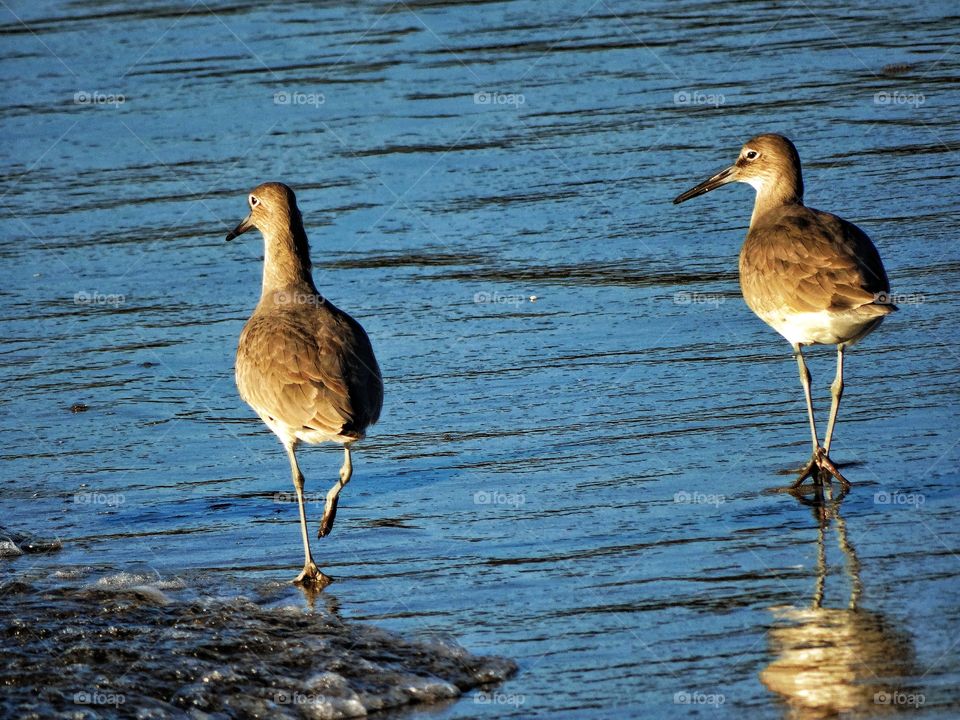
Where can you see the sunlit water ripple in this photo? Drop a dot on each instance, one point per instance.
(579, 482)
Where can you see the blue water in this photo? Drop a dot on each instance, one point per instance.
(583, 481)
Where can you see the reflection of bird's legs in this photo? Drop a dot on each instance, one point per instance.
(850, 553)
(821, 565)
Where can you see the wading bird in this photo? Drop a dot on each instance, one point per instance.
(813, 277)
(304, 366)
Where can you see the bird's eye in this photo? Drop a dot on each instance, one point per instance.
(254, 201)
(751, 155)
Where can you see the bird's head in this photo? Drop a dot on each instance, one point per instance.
(273, 205)
(769, 163)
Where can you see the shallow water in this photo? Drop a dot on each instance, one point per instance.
(580, 482)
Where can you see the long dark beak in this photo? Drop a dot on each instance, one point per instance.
(245, 224)
(721, 178)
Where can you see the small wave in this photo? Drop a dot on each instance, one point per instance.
(129, 644)
(15, 544)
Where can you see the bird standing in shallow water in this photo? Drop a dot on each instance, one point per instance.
(813, 277)
(306, 367)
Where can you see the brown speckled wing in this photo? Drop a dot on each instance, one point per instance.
(310, 367)
(797, 259)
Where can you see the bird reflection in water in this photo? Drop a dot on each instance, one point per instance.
(832, 660)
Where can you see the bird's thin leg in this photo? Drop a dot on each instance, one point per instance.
(820, 464)
(805, 381)
(311, 573)
(836, 390)
(333, 496)
(812, 468)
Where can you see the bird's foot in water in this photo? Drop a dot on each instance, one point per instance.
(820, 469)
(311, 576)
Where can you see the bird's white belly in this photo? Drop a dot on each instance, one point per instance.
(311, 436)
(821, 328)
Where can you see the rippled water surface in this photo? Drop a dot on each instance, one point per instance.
(584, 426)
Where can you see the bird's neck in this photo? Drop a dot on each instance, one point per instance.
(286, 260)
(786, 188)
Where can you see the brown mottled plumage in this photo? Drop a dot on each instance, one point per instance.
(297, 364)
(305, 366)
(813, 277)
(798, 261)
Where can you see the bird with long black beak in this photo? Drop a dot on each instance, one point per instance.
(303, 365)
(813, 277)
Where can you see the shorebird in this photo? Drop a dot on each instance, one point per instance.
(303, 365)
(813, 277)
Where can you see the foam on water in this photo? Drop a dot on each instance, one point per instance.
(14, 544)
(128, 644)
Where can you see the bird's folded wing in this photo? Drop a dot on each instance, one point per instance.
(294, 374)
(815, 262)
